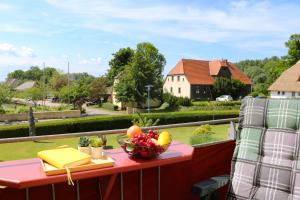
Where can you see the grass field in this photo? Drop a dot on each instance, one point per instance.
(22, 150)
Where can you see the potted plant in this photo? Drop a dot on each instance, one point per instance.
(83, 145)
(96, 148)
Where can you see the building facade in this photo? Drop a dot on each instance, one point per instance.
(288, 84)
(194, 78)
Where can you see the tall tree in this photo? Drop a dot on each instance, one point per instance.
(145, 68)
(98, 88)
(293, 45)
(117, 64)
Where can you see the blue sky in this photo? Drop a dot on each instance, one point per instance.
(86, 33)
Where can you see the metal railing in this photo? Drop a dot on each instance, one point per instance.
(109, 132)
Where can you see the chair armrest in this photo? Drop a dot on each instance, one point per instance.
(209, 186)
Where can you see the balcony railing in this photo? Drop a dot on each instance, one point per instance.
(172, 181)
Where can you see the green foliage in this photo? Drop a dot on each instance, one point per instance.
(164, 106)
(117, 64)
(98, 123)
(203, 129)
(58, 81)
(96, 142)
(5, 94)
(97, 88)
(228, 86)
(202, 135)
(293, 45)
(109, 106)
(144, 121)
(34, 93)
(174, 102)
(145, 68)
(84, 141)
(2, 111)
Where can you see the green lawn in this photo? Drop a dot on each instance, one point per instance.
(21, 150)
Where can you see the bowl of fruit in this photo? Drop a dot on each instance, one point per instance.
(144, 145)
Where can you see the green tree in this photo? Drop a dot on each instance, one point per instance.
(78, 93)
(145, 68)
(34, 73)
(223, 85)
(17, 74)
(274, 68)
(5, 94)
(34, 94)
(58, 81)
(117, 64)
(98, 88)
(293, 45)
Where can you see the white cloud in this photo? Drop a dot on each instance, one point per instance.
(233, 23)
(90, 61)
(6, 7)
(10, 49)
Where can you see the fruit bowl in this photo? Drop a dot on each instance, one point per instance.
(143, 146)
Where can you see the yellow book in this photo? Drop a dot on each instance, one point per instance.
(64, 157)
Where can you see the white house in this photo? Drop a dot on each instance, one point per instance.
(288, 84)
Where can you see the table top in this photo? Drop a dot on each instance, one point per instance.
(29, 172)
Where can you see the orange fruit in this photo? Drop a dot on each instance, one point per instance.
(134, 131)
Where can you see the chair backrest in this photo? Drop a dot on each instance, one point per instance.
(266, 162)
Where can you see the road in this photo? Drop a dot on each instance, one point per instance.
(90, 111)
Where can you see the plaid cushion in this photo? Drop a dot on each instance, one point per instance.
(242, 181)
(279, 147)
(254, 112)
(296, 189)
(266, 161)
(268, 193)
(283, 114)
(249, 144)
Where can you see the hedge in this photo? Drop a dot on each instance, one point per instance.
(97, 123)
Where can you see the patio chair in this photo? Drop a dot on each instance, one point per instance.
(265, 163)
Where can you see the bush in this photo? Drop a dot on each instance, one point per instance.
(175, 102)
(2, 111)
(109, 106)
(98, 123)
(202, 134)
(184, 101)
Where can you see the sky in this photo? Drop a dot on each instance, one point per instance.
(87, 33)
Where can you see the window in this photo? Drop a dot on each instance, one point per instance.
(283, 93)
(278, 92)
(298, 93)
(168, 79)
(178, 78)
(293, 94)
(179, 90)
(172, 78)
(171, 89)
(182, 79)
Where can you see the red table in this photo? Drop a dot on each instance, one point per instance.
(28, 173)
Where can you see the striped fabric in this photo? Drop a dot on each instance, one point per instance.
(266, 162)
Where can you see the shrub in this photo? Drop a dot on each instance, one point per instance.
(109, 106)
(184, 101)
(97, 123)
(202, 134)
(171, 100)
(2, 111)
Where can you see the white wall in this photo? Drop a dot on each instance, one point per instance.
(182, 83)
(284, 94)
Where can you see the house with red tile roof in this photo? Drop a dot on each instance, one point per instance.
(194, 78)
